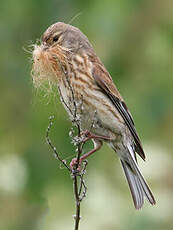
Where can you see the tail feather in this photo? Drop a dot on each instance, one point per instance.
(134, 185)
(138, 187)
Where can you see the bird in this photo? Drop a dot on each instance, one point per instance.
(66, 58)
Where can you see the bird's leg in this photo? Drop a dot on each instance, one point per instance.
(97, 139)
(88, 135)
(97, 145)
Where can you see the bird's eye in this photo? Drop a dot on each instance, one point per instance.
(55, 38)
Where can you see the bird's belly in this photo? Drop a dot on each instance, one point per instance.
(101, 117)
(95, 112)
(90, 121)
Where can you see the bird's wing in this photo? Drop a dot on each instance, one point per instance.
(104, 81)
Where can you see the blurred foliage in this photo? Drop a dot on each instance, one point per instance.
(134, 39)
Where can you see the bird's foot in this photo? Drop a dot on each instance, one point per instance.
(74, 163)
(89, 135)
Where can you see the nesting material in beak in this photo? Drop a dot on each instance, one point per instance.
(47, 64)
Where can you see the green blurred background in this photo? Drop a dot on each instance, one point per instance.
(134, 39)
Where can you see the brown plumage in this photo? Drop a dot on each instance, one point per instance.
(67, 59)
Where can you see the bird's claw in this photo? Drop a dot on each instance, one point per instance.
(87, 135)
(74, 163)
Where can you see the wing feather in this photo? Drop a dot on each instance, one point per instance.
(104, 81)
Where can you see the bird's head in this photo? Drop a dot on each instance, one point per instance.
(65, 36)
(59, 42)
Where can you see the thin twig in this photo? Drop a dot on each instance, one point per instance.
(57, 156)
(75, 184)
(79, 186)
(79, 152)
(83, 186)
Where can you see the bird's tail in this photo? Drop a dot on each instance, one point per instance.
(138, 186)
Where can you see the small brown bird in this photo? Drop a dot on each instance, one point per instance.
(67, 59)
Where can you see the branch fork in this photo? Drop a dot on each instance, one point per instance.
(79, 186)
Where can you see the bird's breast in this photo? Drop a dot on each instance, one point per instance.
(82, 98)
